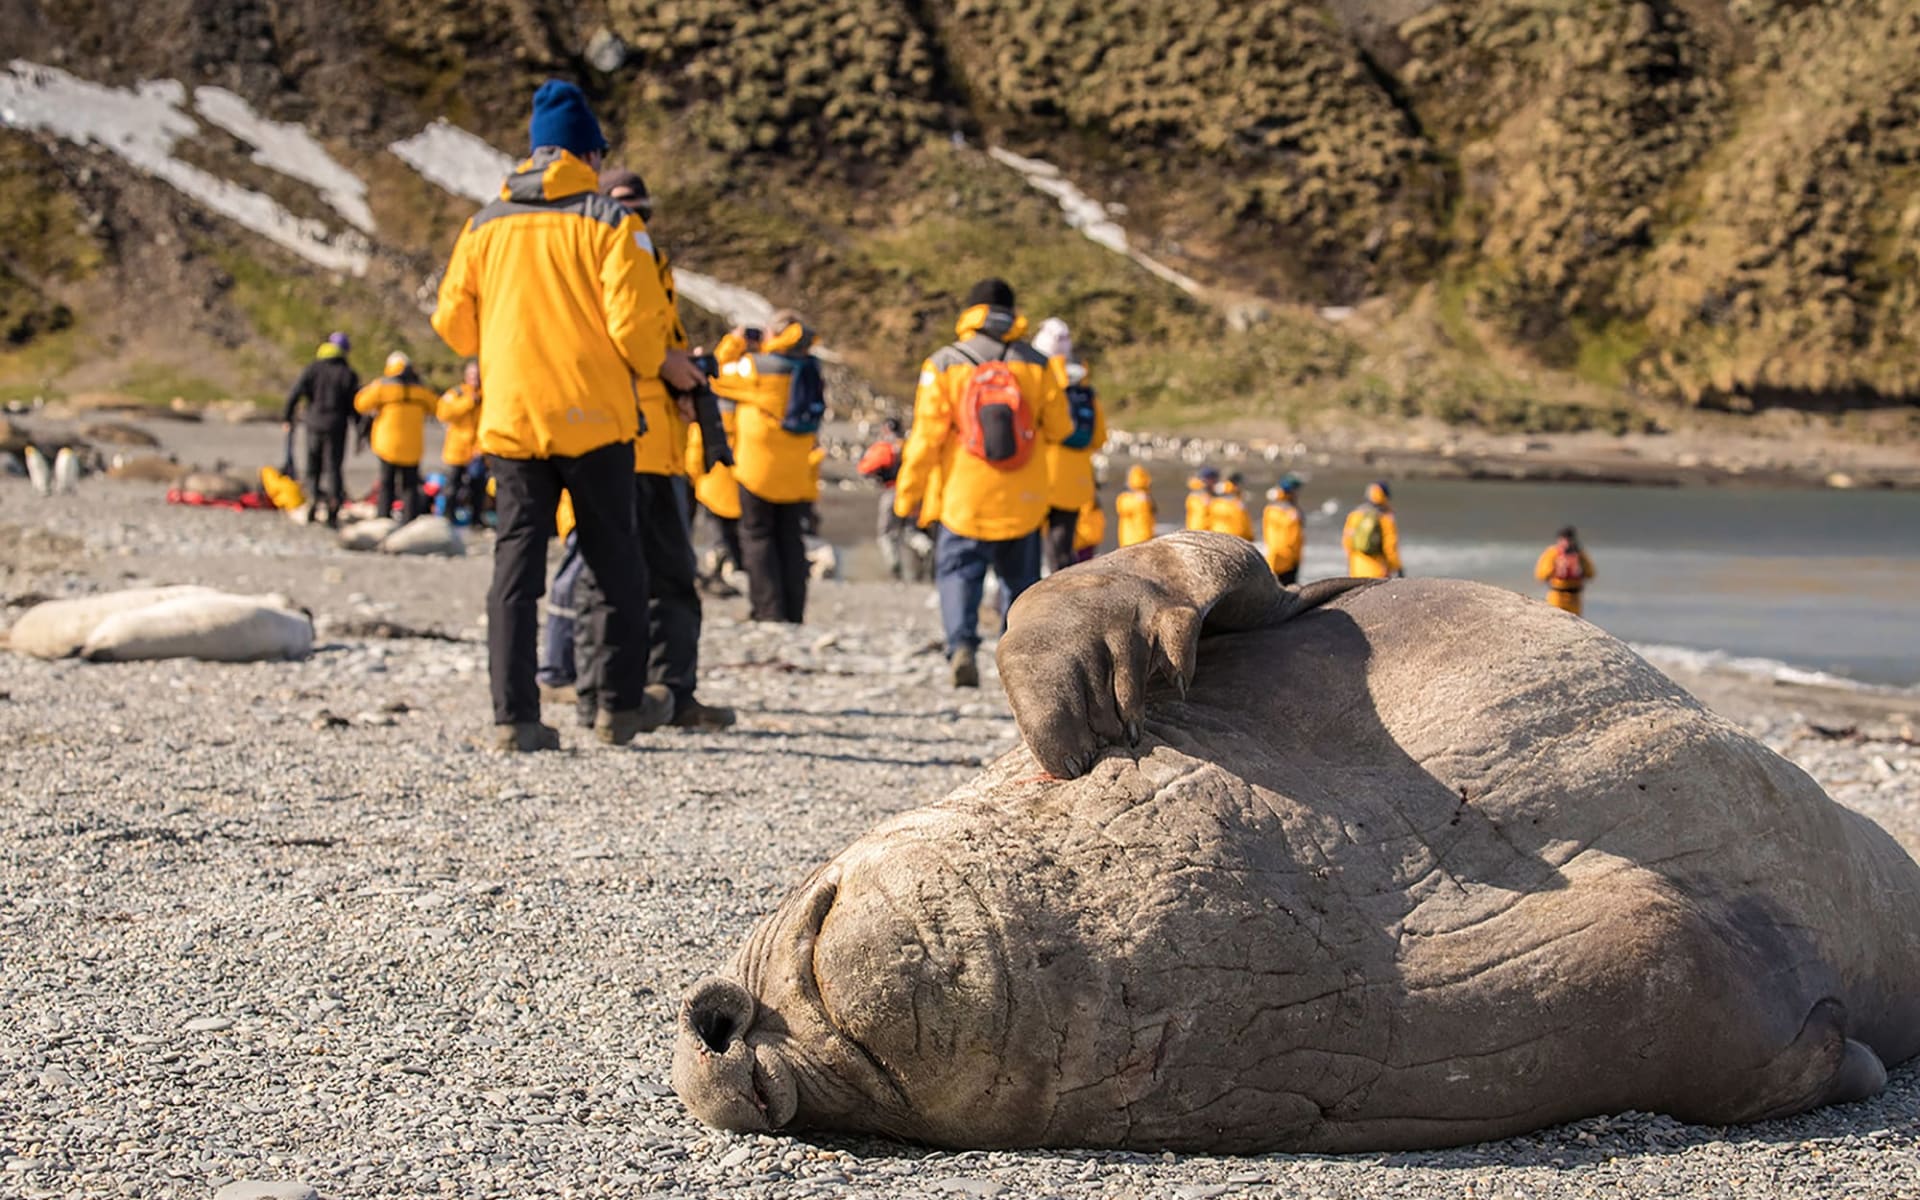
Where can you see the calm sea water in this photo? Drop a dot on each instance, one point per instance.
(1811, 580)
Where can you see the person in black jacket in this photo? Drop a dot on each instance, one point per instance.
(327, 385)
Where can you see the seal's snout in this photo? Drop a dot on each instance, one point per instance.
(718, 1012)
(723, 1079)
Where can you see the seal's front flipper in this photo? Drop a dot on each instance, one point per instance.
(1082, 646)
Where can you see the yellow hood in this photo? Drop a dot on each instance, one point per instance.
(560, 175)
(980, 316)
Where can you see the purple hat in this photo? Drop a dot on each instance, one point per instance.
(336, 338)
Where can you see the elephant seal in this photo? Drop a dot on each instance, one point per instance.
(165, 622)
(212, 627)
(1361, 867)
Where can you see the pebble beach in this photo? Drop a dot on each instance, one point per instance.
(288, 930)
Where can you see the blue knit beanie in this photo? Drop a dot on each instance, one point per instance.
(561, 118)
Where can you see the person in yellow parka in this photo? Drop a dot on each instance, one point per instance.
(1227, 513)
(1134, 507)
(1200, 497)
(1090, 530)
(1566, 568)
(554, 288)
(975, 462)
(1283, 530)
(1371, 537)
(780, 400)
(399, 405)
(459, 411)
(1070, 483)
(662, 516)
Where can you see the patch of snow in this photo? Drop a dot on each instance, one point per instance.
(1093, 219)
(465, 165)
(290, 150)
(455, 161)
(142, 124)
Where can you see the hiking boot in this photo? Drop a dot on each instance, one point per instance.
(619, 728)
(525, 737)
(966, 668)
(695, 715)
(559, 693)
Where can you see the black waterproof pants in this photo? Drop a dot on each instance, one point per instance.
(527, 490)
(1058, 538)
(773, 552)
(673, 603)
(326, 460)
(402, 484)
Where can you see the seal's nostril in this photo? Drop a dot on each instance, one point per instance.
(715, 1028)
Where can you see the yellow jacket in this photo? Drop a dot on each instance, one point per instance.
(1227, 513)
(460, 413)
(1134, 509)
(777, 466)
(965, 493)
(1280, 528)
(1543, 571)
(1372, 566)
(285, 491)
(1199, 503)
(400, 406)
(1070, 472)
(717, 490)
(555, 289)
(662, 447)
(1091, 529)
(563, 516)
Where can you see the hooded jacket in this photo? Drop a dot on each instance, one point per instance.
(459, 411)
(399, 405)
(968, 495)
(1372, 566)
(1134, 509)
(555, 289)
(777, 466)
(1281, 529)
(327, 384)
(662, 448)
(1199, 502)
(1227, 513)
(1069, 471)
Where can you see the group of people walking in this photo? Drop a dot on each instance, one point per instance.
(583, 400)
(389, 417)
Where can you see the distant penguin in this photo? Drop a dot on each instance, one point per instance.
(38, 471)
(66, 471)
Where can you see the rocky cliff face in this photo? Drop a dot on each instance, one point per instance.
(1698, 201)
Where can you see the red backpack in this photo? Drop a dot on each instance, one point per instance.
(1567, 567)
(995, 421)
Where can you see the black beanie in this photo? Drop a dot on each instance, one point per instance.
(996, 292)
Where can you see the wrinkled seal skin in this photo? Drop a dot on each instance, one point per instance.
(1409, 864)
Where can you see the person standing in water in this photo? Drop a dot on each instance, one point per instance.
(1566, 568)
(1372, 536)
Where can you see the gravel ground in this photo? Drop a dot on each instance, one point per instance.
(286, 922)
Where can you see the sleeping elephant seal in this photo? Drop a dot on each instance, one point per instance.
(1359, 867)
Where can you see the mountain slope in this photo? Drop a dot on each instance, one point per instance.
(1546, 207)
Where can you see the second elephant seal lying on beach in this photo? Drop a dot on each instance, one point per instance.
(1408, 864)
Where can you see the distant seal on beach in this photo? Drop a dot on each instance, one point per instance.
(167, 622)
(1362, 866)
